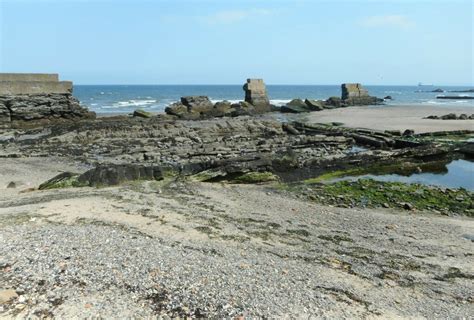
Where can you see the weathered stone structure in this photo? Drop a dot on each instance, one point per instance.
(29, 99)
(353, 94)
(256, 95)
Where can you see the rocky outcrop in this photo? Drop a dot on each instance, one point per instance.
(452, 116)
(35, 99)
(200, 107)
(353, 94)
(34, 109)
(256, 95)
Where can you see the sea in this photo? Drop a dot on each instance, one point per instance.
(113, 99)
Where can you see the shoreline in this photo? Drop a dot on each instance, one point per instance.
(376, 117)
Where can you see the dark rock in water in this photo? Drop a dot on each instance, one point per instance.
(141, 114)
(468, 90)
(408, 132)
(314, 105)
(109, 175)
(463, 116)
(456, 97)
(388, 98)
(438, 90)
(432, 117)
(449, 116)
(256, 95)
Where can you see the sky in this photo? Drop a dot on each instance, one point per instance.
(227, 41)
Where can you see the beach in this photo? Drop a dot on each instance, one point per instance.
(397, 117)
(195, 243)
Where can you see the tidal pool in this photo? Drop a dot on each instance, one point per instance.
(459, 174)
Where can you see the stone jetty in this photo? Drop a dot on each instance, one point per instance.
(29, 99)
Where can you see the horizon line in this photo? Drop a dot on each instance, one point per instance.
(267, 84)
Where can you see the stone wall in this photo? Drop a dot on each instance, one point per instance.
(49, 77)
(29, 99)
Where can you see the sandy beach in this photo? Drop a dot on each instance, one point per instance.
(394, 117)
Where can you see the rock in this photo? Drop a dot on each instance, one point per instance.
(438, 90)
(408, 132)
(242, 108)
(176, 109)
(11, 185)
(314, 105)
(256, 95)
(394, 132)
(222, 109)
(432, 117)
(295, 106)
(334, 102)
(37, 109)
(388, 98)
(290, 129)
(7, 295)
(449, 116)
(197, 104)
(115, 174)
(407, 206)
(62, 180)
(141, 114)
(463, 116)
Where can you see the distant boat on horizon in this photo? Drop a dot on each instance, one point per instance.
(424, 85)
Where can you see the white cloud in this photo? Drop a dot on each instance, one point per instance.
(233, 16)
(393, 21)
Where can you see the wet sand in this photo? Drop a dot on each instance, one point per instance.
(400, 117)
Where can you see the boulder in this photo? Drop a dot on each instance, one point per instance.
(388, 98)
(243, 108)
(449, 116)
(222, 109)
(295, 106)
(176, 109)
(438, 90)
(334, 102)
(115, 174)
(139, 113)
(314, 105)
(256, 95)
(197, 104)
(463, 116)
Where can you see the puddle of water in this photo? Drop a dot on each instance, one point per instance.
(460, 174)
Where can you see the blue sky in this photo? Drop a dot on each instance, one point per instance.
(225, 42)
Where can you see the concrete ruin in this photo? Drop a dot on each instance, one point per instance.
(256, 95)
(28, 99)
(353, 94)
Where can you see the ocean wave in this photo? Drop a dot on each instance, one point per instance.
(132, 103)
